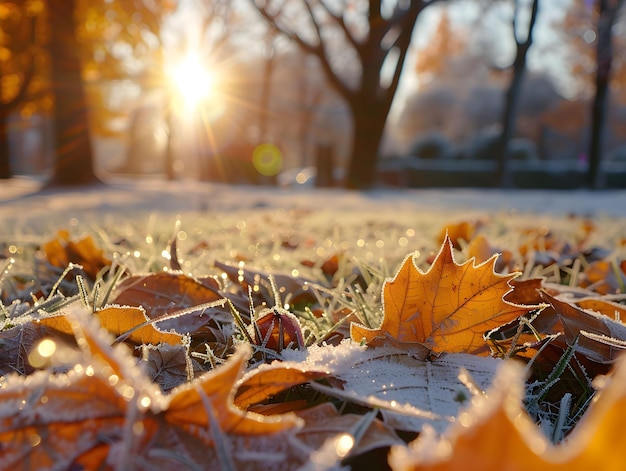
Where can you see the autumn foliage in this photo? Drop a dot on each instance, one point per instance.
(235, 368)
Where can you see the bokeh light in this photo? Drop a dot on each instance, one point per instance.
(267, 159)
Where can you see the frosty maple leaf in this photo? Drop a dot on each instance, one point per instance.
(448, 308)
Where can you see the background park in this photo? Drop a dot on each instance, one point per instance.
(443, 93)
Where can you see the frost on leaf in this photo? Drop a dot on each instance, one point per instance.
(60, 421)
(447, 309)
(409, 392)
(495, 433)
(106, 410)
(597, 336)
(131, 323)
(166, 293)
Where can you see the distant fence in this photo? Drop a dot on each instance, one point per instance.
(551, 174)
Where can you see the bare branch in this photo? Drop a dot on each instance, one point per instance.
(339, 20)
(318, 50)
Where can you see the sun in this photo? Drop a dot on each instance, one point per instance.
(192, 81)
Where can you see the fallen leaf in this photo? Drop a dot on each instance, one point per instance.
(62, 251)
(324, 421)
(127, 321)
(448, 308)
(297, 288)
(605, 277)
(87, 407)
(408, 392)
(607, 307)
(169, 365)
(165, 293)
(598, 337)
(481, 250)
(496, 433)
(262, 384)
(463, 230)
(113, 415)
(277, 329)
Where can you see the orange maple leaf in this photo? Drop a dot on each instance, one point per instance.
(448, 308)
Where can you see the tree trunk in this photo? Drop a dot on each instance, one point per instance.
(8, 106)
(509, 118)
(369, 125)
(5, 154)
(370, 100)
(73, 163)
(607, 14)
(512, 98)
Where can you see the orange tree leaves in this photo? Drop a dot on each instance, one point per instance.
(448, 308)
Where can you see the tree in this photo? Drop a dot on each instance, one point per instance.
(369, 34)
(513, 92)
(19, 54)
(73, 162)
(607, 11)
(445, 47)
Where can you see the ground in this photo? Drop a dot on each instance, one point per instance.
(335, 239)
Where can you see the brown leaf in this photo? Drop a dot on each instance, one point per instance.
(480, 249)
(605, 277)
(270, 380)
(169, 366)
(324, 421)
(188, 406)
(603, 306)
(278, 329)
(463, 230)
(598, 337)
(448, 308)
(296, 287)
(165, 293)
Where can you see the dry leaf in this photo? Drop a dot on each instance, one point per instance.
(448, 308)
(597, 337)
(324, 421)
(126, 321)
(165, 293)
(496, 433)
(108, 409)
(62, 251)
(296, 287)
(463, 230)
(607, 307)
(169, 366)
(264, 383)
(480, 249)
(278, 329)
(408, 392)
(605, 276)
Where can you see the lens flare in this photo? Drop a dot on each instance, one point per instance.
(267, 159)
